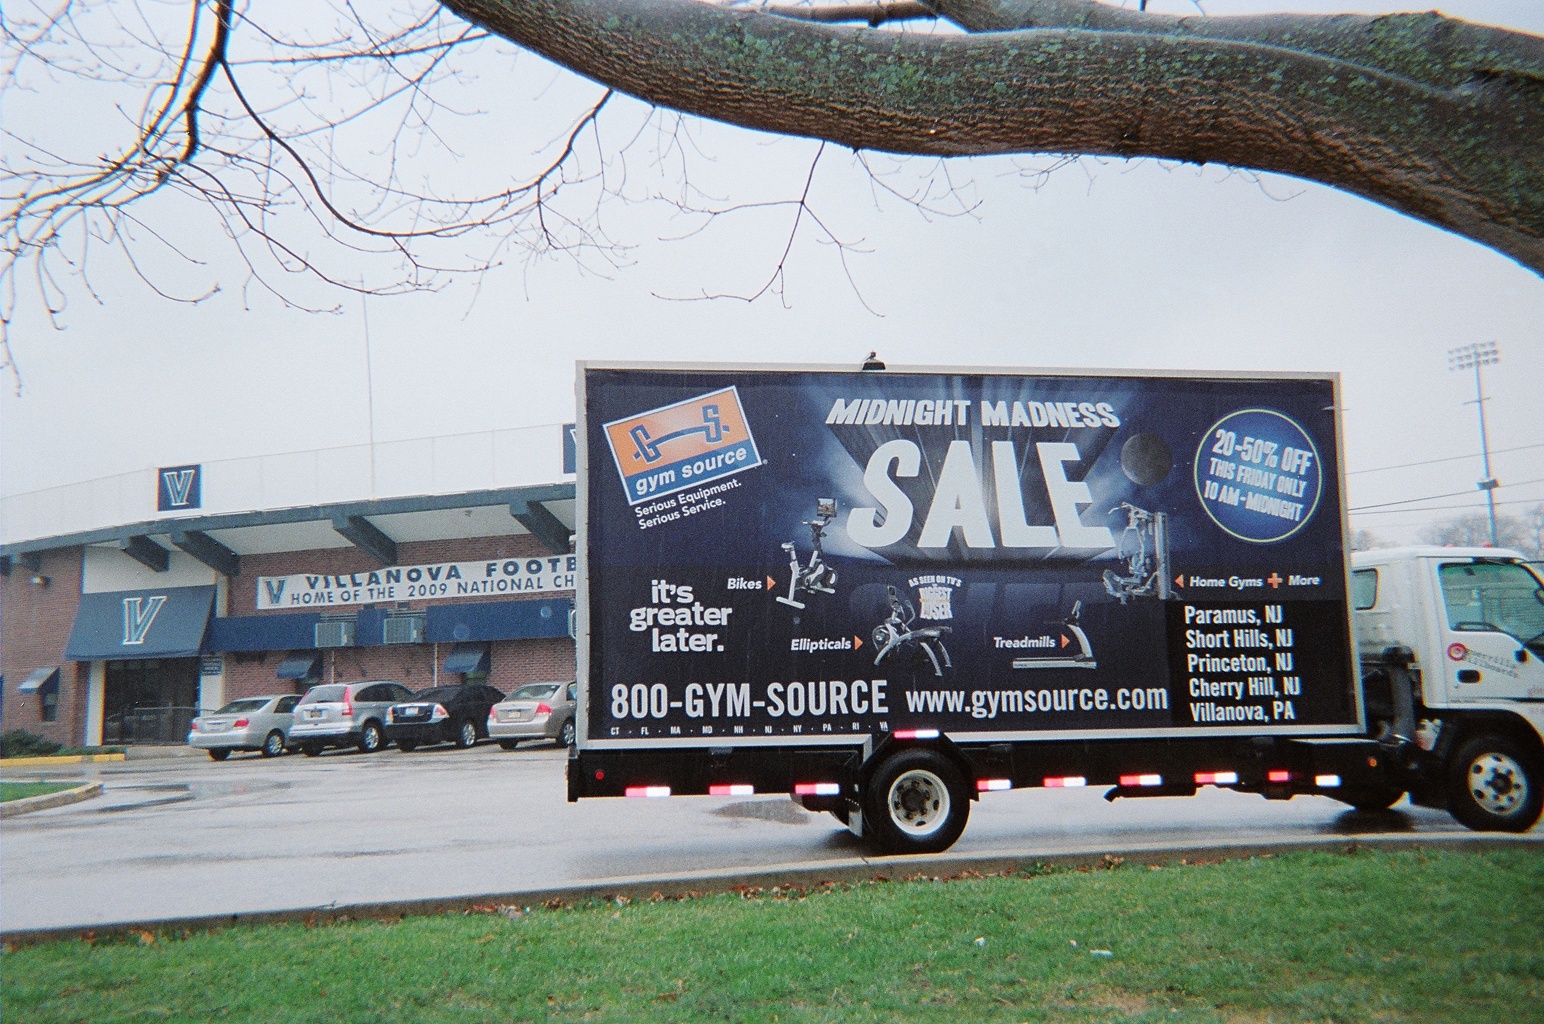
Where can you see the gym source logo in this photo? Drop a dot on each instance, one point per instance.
(1458, 652)
(676, 447)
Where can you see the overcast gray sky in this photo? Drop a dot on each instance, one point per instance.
(1105, 264)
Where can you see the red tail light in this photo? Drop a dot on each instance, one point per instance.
(348, 706)
(544, 709)
(241, 723)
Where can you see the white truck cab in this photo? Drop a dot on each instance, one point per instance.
(1473, 622)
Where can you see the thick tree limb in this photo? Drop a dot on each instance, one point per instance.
(1454, 137)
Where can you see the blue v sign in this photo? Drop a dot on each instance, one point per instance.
(179, 488)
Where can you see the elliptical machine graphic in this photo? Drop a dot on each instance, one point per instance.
(817, 576)
(898, 634)
(1147, 575)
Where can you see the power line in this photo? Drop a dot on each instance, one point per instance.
(1434, 497)
(1450, 458)
(1374, 511)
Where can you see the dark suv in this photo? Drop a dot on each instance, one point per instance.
(344, 714)
(444, 714)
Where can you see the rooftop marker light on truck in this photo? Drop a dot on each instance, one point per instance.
(1326, 781)
(1278, 775)
(1065, 782)
(916, 734)
(732, 790)
(817, 789)
(1141, 780)
(993, 785)
(648, 791)
(1216, 778)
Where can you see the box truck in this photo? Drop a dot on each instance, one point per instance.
(887, 592)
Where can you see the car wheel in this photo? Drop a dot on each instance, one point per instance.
(273, 744)
(311, 749)
(219, 753)
(567, 739)
(1494, 785)
(466, 736)
(917, 803)
(407, 746)
(509, 744)
(370, 738)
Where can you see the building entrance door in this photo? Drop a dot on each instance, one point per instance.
(149, 701)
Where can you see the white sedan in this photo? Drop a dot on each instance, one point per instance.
(534, 711)
(251, 723)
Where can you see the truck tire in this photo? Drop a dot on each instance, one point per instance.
(917, 803)
(1494, 785)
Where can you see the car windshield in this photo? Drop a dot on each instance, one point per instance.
(236, 707)
(438, 693)
(533, 691)
(324, 694)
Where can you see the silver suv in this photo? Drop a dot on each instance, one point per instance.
(341, 714)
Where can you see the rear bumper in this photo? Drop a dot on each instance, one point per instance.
(537, 728)
(235, 739)
(336, 733)
(421, 733)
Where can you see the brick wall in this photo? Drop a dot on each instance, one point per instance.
(35, 625)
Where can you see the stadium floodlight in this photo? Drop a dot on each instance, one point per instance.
(1474, 356)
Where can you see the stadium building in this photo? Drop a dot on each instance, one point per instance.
(130, 604)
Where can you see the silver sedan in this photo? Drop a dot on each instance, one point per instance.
(534, 711)
(251, 723)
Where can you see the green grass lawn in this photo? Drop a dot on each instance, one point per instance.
(1357, 935)
(18, 790)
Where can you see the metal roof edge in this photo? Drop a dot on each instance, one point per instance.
(295, 514)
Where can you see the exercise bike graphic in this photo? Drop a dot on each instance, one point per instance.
(817, 576)
(1146, 575)
(711, 428)
(1084, 658)
(898, 634)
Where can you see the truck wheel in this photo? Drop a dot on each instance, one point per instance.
(917, 803)
(1494, 785)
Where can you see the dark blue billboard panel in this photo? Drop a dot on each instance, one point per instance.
(823, 554)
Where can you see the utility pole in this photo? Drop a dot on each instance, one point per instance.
(1483, 353)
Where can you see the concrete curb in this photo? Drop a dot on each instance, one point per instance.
(799, 875)
(49, 762)
(26, 805)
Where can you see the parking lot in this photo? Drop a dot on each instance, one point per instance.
(186, 837)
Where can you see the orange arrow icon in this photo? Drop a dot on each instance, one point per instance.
(1064, 640)
(1179, 581)
(857, 642)
(771, 584)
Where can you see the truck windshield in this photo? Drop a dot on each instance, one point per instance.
(1495, 597)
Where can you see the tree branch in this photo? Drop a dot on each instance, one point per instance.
(1462, 149)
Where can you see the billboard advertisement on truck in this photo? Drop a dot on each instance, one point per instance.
(783, 556)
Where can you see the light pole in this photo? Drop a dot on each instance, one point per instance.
(1482, 353)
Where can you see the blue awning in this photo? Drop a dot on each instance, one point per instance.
(40, 681)
(138, 624)
(291, 632)
(301, 665)
(497, 620)
(467, 658)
